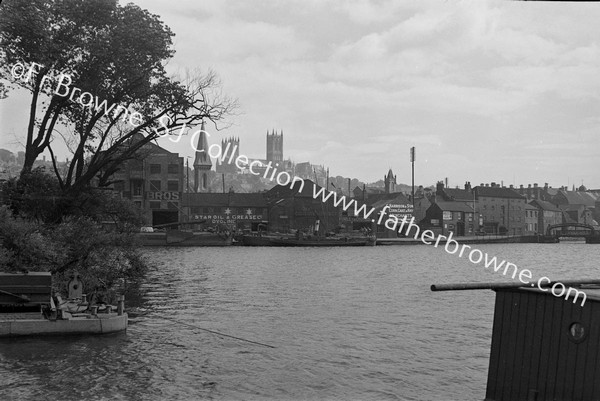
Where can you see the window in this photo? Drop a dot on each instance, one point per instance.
(155, 169)
(136, 165)
(173, 168)
(172, 185)
(155, 185)
(154, 204)
(457, 215)
(137, 187)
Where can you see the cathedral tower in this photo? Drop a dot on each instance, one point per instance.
(230, 148)
(274, 147)
(202, 163)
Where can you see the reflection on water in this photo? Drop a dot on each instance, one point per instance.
(346, 323)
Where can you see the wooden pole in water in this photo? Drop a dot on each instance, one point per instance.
(493, 286)
(121, 305)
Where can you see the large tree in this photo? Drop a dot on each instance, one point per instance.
(61, 49)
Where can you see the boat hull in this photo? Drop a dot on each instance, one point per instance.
(99, 324)
(183, 238)
(289, 242)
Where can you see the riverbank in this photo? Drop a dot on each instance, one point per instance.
(475, 239)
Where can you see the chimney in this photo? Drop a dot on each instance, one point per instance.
(349, 192)
(439, 187)
(493, 184)
(511, 186)
(545, 186)
(521, 186)
(529, 186)
(535, 185)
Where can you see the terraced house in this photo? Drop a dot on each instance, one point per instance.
(503, 209)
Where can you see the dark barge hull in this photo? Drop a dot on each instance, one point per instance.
(183, 238)
(289, 242)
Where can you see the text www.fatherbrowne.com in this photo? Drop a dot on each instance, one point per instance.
(452, 247)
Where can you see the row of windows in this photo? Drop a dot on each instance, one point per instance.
(501, 200)
(137, 187)
(458, 216)
(224, 210)
(171, 168)
(156, 204)
(531, 213)
(501, 207)
(156, 185)
(138, 165)
(170, 205)
(512, 218)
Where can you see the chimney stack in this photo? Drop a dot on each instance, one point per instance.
(440, 186)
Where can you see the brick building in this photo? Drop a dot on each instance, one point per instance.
(234, 210)
(444, 217)
(548, 214)
(531, 219)
(154, 182)
(503, 209)
(295, 209)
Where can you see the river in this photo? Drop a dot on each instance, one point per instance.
(346, 323)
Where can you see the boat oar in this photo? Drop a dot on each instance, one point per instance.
(493, 286)
(22, 298)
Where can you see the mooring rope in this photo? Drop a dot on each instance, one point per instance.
(217, 332)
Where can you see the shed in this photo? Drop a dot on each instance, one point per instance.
(21, 292)
(544, 347)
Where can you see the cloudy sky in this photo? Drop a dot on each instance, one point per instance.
(485, 91)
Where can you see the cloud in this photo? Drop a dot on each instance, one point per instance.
(354, 84)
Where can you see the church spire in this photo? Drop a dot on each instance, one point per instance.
(202, 158)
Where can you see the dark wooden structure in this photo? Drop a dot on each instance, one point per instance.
(544, 347)
(24, 292)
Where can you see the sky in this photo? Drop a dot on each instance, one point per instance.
(504, 92)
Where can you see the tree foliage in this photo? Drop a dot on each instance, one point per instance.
(105, 260)
(118, 55)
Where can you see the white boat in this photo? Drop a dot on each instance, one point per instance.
(27, 308)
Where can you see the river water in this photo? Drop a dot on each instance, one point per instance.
(347, 324)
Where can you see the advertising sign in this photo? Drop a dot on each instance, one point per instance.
(447, 215)
(162, 195)
(229, 219)
(400, 210)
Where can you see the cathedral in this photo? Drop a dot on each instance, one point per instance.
(231, 150)
(274, 147)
